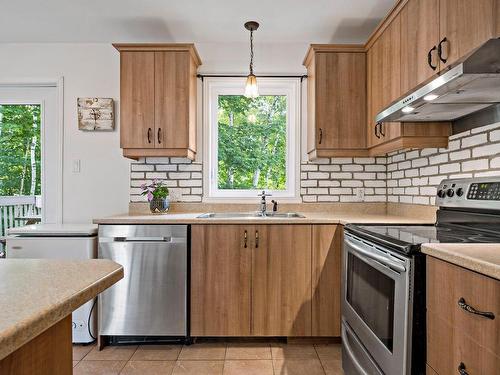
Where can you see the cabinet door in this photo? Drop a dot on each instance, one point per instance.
(137, 91)
(281, 280)
(172, 95)
(340, 99)
(220, 280)
(466, 25)
(419, 34)
(374, 88)
(326, 271)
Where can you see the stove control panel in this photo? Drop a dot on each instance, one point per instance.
(470, 193)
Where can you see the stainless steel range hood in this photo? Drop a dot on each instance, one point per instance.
(472, 84)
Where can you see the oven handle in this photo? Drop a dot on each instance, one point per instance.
(379, 258)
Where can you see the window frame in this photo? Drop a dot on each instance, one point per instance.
(215, 86)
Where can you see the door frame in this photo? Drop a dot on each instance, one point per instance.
(58, 84)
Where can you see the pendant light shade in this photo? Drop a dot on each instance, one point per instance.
(251, 88)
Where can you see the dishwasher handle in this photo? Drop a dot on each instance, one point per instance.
(144, 239)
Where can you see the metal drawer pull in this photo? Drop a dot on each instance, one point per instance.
(461, 369)
(429, 58)
(256, 239)
(320, 135)
(245, 236)
(377, 257)
(149, 135)
(463, 305)
(440, 49)
(159, 136)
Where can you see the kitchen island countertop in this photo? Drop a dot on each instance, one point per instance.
(36, 294)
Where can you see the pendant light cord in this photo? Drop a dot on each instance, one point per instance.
(251, 52)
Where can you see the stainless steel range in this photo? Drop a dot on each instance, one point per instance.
(383, 295)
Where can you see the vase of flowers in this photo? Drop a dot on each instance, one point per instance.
(158, 196)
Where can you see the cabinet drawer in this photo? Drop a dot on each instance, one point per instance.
(448, 347)
(447, 284)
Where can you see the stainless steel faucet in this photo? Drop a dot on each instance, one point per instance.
(263, 204)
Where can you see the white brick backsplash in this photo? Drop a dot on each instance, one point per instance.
(329, 168)
(468, 155)
(319, 175)
(487, 150)
(474, 165)
(408, 176)
(460, 155)
(474, 140)
(352, 168)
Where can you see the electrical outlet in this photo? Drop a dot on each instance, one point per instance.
(360, 194)
(175, 194)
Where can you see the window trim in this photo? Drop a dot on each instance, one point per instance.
(215, 86)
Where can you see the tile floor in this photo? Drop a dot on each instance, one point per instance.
(213, 358)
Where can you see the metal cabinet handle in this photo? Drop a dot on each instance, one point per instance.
(159, 135)
(440, 49)
(320, 135)
(256, 239)
(376, 130)
(429, 58)
(245, 237)
(461, 369)
(382, 133)
(464, 306)
(149, 135)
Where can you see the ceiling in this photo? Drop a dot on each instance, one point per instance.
(201, 21)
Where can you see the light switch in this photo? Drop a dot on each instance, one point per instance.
(76, 166)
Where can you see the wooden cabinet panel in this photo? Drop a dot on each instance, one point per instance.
(340, 100)
(447, 283)
(448, 347)
(466, 25)
(158, 99)
(137, 89)
(429, 370)
(172, 99)
(326, 275)
(391, 50)
(336, 100)
(281, 280)
(419, 34)
(220, 281)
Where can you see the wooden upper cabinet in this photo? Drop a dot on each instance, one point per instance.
(281, 280)
(336, 100)
(158, 99)
(137, 92)
(220, 280)
(419, 39)
(466, 25)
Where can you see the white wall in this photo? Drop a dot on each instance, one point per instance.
(102, 187)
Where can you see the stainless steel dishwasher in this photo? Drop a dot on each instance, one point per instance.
(151, 300)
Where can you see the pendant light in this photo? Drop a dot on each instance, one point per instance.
(251, 89)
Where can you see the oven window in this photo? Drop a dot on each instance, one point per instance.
(371, 295)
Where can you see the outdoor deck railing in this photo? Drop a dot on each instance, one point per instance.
(16, 210)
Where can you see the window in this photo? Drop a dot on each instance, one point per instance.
(252, 144)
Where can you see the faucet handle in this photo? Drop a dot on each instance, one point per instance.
(263, 194)
(275, 205)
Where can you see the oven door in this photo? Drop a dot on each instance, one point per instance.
(377, 304)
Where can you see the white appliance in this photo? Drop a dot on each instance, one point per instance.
(59, 241)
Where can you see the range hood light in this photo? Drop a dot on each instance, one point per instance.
(430, 97)
(408, 109)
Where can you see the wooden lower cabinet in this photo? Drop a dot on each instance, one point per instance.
(326, 271)
(285, 282)
(456, 336)
(281, 281)
(220, 281)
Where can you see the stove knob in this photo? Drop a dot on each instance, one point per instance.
(450, 193)
(441, 193)
(460, 192)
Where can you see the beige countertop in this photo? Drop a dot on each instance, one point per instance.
(482, 258)
(35, 294)
(310, 218)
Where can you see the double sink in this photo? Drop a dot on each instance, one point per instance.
(250, 215)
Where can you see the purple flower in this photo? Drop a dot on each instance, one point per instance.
(150, 196)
